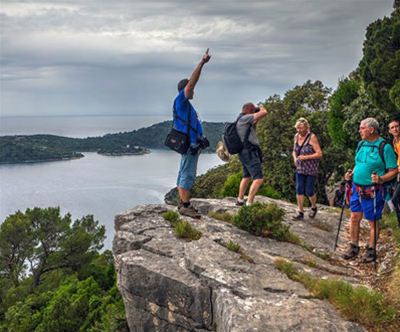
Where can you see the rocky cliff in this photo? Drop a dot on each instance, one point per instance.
(169, 284)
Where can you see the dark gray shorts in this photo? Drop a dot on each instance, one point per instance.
(251, 162)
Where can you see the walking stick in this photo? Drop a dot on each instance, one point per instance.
(341, 215)
(375, 224)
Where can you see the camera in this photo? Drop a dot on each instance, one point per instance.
(257, 109)
(202, 143)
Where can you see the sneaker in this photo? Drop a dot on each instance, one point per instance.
(369, 255)
(352, 252)
(298, 216)
(189, 211)
(240, 202)
(312, 213)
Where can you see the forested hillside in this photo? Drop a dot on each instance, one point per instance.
(24, 148)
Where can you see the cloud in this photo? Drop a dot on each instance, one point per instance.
(94, 57)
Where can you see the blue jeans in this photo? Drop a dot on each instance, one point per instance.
(187, 170)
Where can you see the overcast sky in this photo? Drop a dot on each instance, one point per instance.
(125, 57)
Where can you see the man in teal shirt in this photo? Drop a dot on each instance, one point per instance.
(368, 190)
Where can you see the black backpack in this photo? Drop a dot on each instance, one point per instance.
(231, 137)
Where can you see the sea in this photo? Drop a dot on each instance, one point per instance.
(102, 186)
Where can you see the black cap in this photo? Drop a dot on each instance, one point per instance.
(182, 84)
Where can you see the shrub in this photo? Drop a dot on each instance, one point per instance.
(268, 191)
(231, 185)
(184, 229)
(232, 246)
(262, 219)
(171, 216)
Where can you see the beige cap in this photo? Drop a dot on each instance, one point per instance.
(222, 152)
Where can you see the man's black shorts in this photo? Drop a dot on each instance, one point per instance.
(251, 162)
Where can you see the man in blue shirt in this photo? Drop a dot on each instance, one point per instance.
(368, 190)
(186, 114)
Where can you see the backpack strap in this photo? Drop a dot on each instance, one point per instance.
(382, 152)
(307, 139)
(187, 123)
(247, 134)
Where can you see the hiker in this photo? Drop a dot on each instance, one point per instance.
(367, 193)
(394, 130)
(306, 155)
(185, 111)
(250, 156)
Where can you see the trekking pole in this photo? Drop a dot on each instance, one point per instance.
(375, 224)
(341, 215)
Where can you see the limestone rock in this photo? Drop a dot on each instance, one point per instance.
(169, 284)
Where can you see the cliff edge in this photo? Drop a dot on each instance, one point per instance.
(170, 284)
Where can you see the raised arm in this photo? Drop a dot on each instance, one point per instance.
(260, 114)
(189, 89)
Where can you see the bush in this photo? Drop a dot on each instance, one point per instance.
(262, 219)
(231, 185)
(268, 191)
(184, 229)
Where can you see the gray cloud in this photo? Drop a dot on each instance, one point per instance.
(95, 57)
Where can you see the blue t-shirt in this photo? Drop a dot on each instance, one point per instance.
(182, 108)
(368, 160)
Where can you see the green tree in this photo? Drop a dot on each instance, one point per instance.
(380, 65)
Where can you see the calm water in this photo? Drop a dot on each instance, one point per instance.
(99, 185)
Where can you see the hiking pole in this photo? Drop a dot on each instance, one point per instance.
(375, 223)
(341, 215)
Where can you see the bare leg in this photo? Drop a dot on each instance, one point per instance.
(184, 194)
(355, 226)
(300, 202)
(313, 200)
(243, 187)
(254, 189)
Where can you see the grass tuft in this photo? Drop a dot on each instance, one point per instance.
(232, 246)
(185, 230)
(171, 216)
(224, 216)
(359, 304)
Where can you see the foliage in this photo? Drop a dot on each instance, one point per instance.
(232, 246)
(380, 64)
(185, 230)
(53, 277)
(262, 219)
(358, 304)
(345, 93)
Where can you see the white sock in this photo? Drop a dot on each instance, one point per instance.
(248, 203)
(240, 200)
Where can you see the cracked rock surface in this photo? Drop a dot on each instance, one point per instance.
(170, 284)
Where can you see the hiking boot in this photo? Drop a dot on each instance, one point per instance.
(312, 213)
(189, 211)
(240, 202)
(352, 252)
(369, 255)
(298, 216)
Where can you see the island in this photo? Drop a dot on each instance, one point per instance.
(38, 148)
